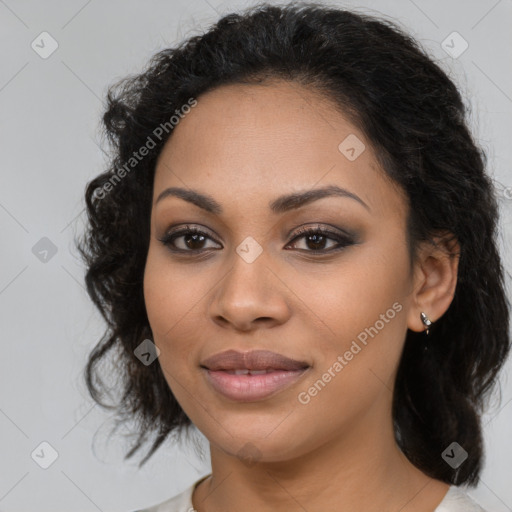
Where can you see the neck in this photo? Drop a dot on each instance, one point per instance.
(362, 469)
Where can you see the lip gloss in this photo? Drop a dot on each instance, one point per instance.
(249, 388)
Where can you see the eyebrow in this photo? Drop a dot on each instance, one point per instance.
(282, 204)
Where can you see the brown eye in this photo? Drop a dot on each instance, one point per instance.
(193, 240)
(316, 239)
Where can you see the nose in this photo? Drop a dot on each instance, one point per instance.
(250, 295)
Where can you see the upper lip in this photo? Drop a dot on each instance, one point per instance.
(253, 360)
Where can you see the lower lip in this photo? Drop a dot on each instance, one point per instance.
(248, 388)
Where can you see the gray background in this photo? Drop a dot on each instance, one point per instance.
(50, 112)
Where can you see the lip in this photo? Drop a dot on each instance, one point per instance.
(252, 360)
(251, 388)
(282, 372)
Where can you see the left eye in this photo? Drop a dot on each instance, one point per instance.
(317, 238)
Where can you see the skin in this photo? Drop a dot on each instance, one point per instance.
(245, 145)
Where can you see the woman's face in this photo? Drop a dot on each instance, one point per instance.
(338, 302)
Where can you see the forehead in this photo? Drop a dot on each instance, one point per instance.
(260, 141)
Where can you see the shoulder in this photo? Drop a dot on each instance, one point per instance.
(456, 500)
(182, 502)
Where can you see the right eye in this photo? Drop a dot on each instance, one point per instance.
(191, 238)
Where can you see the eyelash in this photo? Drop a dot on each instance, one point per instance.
(343, 241)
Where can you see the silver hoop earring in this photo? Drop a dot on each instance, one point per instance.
(426, 321)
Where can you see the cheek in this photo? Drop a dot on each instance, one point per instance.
(364, 308)
(164, 306)
(168, 295)
(355, 296)
(174, 296)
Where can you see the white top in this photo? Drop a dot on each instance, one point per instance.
(455, 500)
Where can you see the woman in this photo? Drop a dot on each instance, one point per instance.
(294, 248)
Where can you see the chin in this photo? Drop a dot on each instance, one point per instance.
(258, 445)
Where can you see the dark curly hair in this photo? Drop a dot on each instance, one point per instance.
(413, 116)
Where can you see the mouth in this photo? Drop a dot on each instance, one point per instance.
(248, 386)
(245, 371)
(254, 360)
(251, 376)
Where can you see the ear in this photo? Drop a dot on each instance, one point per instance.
(435, 279)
